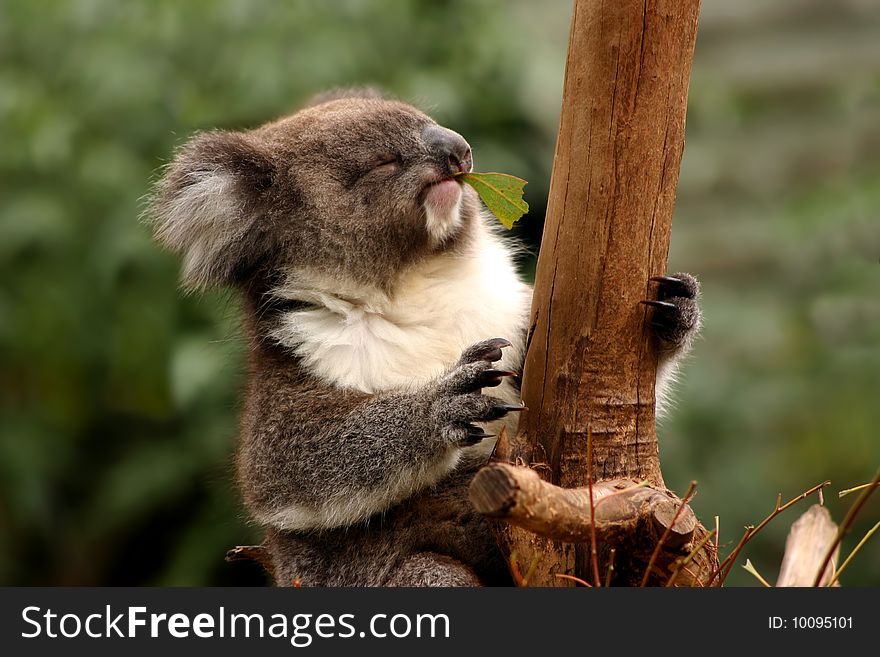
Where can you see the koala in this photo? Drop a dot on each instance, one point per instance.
(386, 324)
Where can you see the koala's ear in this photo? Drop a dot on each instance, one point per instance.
(209, 203)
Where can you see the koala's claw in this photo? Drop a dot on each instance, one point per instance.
(459, 406)
(492, 378)
(665, 279)
(658, 304)
(677, 314)
(487, 350)
(680, 285)
(474, 370)
(474, 435)
(500, 410)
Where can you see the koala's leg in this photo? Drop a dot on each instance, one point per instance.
(676, 323)
(437, 527)
(441, 520)
(430, 569)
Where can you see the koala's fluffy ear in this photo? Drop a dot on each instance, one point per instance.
(209, 204)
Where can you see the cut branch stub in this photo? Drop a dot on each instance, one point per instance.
(663, 513)
(622, 509)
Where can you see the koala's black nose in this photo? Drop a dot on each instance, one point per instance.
(449, 149)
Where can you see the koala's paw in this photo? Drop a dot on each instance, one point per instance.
(459, 403)
(474, 370)
(677, 316)
(487, 350)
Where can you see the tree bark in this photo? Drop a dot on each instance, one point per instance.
(591, 364)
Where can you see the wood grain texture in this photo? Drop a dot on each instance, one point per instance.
(609, 217)
(808, 541)
(590, 364)
(620, 507)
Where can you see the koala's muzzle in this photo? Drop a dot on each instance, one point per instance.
(448, 149)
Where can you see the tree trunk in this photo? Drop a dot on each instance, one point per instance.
(591, 363)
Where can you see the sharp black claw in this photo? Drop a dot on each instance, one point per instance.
(491, 378)
(500, 410)
(659, 304)
(488, 350)
(679, 285)
(498, 373)
(475, 434)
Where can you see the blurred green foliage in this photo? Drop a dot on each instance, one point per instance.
(120, 395)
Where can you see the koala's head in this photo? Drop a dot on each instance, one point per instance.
(354, 187)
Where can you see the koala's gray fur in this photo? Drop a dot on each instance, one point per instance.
(376, 308)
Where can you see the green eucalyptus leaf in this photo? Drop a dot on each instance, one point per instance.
(502, 194)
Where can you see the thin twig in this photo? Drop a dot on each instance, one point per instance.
(847, 524)
(577, 580)
(531, 570)
(610, 570)
(514, 569)
(846, 492)
(687, 498)
(749, 568)
(727, 564)
(684, 562)
(855, 551)
(734, 553)
(694, 578)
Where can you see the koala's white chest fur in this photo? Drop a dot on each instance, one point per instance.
(366, 340)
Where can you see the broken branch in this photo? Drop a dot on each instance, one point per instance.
(519, 496)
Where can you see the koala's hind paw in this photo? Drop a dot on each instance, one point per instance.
(677, 314)
(431, 569)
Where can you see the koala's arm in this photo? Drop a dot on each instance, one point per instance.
(315, 457)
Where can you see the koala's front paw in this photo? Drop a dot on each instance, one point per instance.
(459, 403)
(487, 350)
(677, 314)
(474, 370)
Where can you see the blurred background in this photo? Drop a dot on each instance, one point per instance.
(119, 394)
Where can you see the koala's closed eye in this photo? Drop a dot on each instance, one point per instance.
(386, 163)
